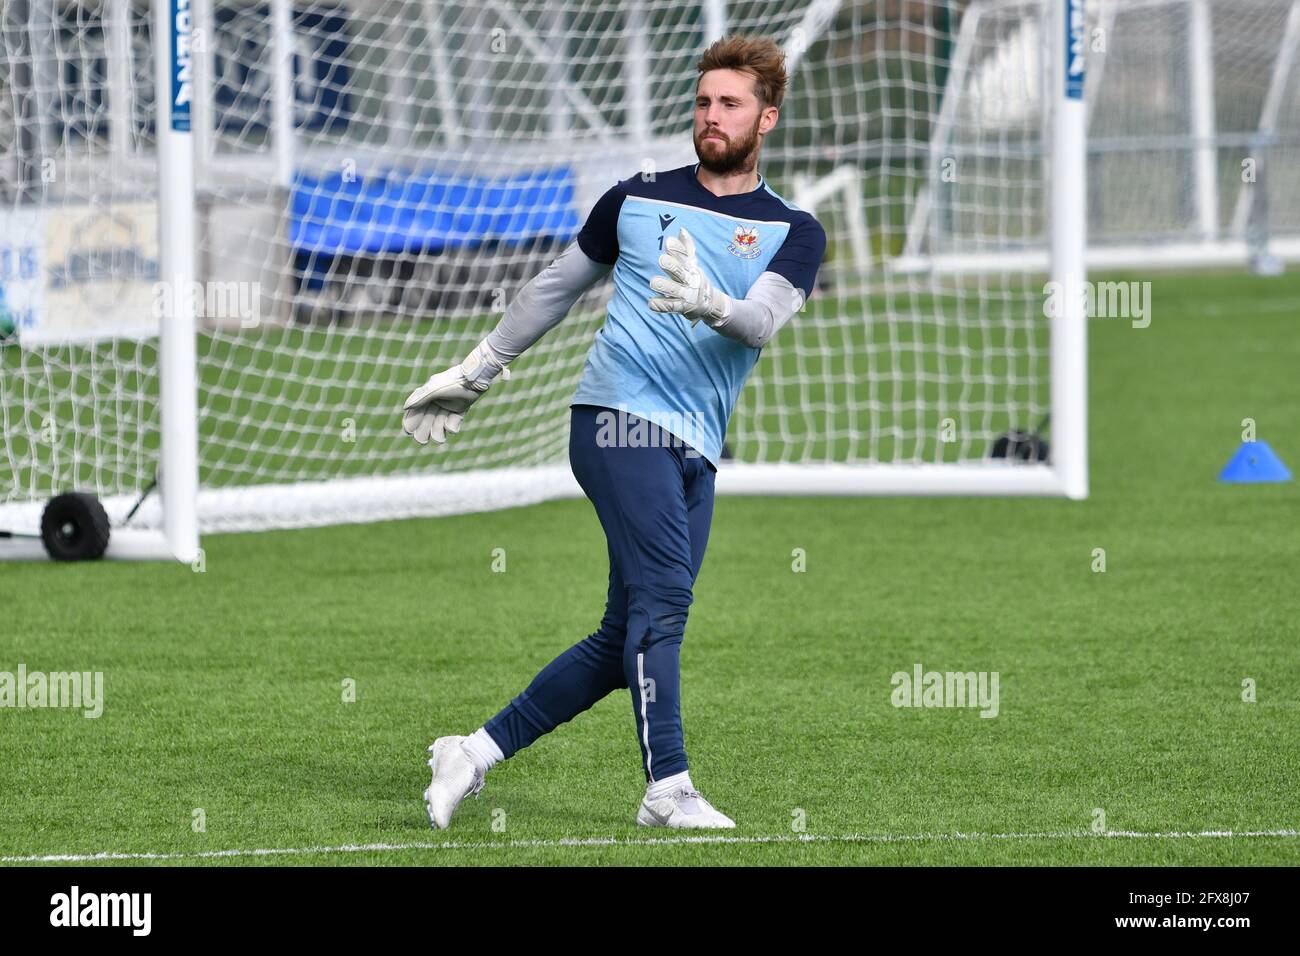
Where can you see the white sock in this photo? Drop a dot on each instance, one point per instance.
(661, 788)
(482, 749)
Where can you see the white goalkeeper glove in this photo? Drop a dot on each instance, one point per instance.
(438, 406)
(686, 290)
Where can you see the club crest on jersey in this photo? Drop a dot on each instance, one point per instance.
(744, 243)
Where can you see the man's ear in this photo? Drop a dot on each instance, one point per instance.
(767, 121)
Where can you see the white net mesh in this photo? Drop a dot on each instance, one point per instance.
(371, 196)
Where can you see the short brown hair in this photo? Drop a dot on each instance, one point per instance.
(760, 57)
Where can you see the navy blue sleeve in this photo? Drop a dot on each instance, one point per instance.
(598, 239)
(800, 256)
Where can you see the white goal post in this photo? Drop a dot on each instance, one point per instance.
(235, 233)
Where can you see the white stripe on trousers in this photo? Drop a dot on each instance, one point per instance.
(645, 721)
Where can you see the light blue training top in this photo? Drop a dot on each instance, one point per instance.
(685, 379)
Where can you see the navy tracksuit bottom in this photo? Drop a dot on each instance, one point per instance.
(655, 503)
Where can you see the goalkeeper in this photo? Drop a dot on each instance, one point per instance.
(708, 265)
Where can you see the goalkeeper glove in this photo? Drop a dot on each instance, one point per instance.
(687, 290)
(438, 406)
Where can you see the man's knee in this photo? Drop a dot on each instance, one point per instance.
(660, 614)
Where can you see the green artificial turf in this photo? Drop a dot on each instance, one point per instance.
(1119, 691)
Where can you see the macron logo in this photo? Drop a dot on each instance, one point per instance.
(102, 909)
(665, 221)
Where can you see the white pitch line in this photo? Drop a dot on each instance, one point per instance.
(652, 841)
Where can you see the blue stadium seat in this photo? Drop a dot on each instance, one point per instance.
(403, 213)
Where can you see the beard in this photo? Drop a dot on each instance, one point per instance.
(729, 156)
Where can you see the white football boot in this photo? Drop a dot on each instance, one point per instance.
(683, 809)
(454, 778)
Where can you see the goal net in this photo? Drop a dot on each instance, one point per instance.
(374, 180)
(1193, 135)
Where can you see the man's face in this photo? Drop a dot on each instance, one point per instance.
(729, 122)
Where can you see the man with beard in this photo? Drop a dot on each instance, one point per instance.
(708, 265)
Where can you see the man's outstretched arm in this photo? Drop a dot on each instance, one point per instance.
(438, 406)
(544, 301)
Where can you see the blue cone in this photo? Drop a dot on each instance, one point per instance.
(1255, 462)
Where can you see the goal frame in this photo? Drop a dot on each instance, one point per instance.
(182, 507)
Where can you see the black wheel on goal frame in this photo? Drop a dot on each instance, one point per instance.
(74, 527)
(1024, 445)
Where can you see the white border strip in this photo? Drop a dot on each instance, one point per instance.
(312, 504)
(977, 478)
(1174, 255)
(656, 841)
(390, 498)
(712, 212)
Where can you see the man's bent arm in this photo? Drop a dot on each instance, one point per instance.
(755, 319)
